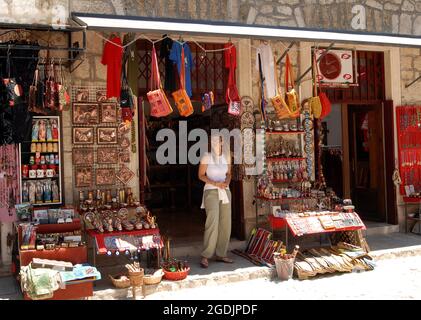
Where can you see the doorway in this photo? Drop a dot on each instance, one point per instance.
(353, 157)
(366, 159)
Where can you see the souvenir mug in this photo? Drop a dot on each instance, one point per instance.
(32, 174)
(40, 173)
(31, 160)
(50, 173)
(44, 147)
(33, 147)
(53, 168)
(55, 147)
(50, 147)
(39, 147)
(25, 171)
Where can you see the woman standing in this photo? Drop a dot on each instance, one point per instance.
(215, 171)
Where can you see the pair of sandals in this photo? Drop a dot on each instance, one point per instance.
(204, 263)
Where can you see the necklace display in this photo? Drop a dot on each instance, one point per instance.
(9, 185)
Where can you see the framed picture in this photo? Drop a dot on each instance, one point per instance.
(107, 155)
(124, 143)
(83, 177)
(83, 135)
(85, 113)
(82, 95)
(108, 112)
(105, 177)
(107, 135)
(101, 96)
(125, 174)
(83, 156)
(125, 156)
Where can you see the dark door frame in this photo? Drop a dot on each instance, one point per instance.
(388, 155)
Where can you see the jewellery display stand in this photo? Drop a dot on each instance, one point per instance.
(286, 166)
(408, 120)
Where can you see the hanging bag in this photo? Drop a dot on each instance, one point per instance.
(315, 103)
(14, 91)
(278, 101)
(324, 100)
(291, 95)
(181, 98)
(64, 97)
(232, 96)
(160, 106)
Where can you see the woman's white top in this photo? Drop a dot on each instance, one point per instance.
(216, 171)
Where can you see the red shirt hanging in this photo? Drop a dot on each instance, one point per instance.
(112, 58)
(230, 55)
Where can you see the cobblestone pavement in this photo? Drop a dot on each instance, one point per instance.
(392, 279)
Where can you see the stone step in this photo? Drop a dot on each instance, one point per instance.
(374, 228)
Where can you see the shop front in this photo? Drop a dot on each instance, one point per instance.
(85, 178)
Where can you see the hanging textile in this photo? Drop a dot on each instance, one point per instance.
(230, 56)
(268, 69)
(175, 56)
(112, 58)
(170, 71)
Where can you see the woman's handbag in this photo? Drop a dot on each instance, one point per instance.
(278, 102)
(160, 106)
(181, 98)
(208, 101)
(291, 95)
(234, 105)
(315, 103)
(323, 106)
(63, 94)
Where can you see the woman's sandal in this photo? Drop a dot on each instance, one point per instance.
(224, 260)
(204, 263)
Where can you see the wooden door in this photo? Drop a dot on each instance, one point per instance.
(367, 161)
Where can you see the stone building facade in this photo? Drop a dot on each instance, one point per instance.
(400, 17)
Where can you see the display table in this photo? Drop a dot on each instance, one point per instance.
(113, 242)
(312, 223)
(76, 255)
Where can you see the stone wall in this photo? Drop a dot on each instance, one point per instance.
(410, 70)
(91, 73)
(388, 16)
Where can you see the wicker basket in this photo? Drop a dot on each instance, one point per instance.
(151, 279)
(120, 283)
(176, 276)
(136, 278)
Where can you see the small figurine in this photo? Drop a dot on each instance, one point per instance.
(32, 193)
(117, 224)
(25, 192)
(35, 131)
(42, 131)
(55, 191)
(54, 129)
(39, 192)
(49, 131)
(47, 192)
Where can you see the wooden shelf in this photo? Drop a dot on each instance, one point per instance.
(34, 179)
(288, 181)
(285, 132)
(282, 199)
(276, 159)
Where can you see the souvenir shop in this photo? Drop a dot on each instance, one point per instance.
(79, 177)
